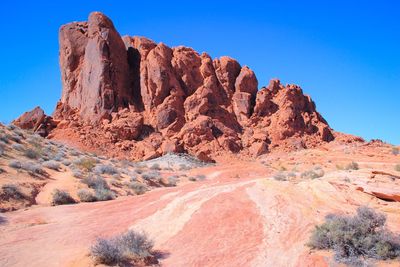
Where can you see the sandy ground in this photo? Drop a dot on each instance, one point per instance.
(238, 216)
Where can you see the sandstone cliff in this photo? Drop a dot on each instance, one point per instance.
(131, 96)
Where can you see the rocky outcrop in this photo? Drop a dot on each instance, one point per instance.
(146, 99)
(36, 121)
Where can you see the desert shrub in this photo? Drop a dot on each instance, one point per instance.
(33, 153)
(11, 191)
(66, 162)
(32, 167)
(103, 194)
(184, 167)
(15, 164)
(51, 164)
(27, 166)
(35, 140)
(107, 251)
(2, 151)
(313, 174)
(395, 151)
(3, 145)
(353, 237)
(280, 177)
(151, 175)
(77, 174)
(155, 166)
(14, 137)
(173, 180)
(127, 247)
(61, 197)
(352, 166)
(138, 188)
(192, 179)
(106, 169)
(397, 167)
(3, 220)
(86, 196)
(59, 156)
(74, 153)
(95, 182)
(4, 138)
(17, 147)
(85, 163)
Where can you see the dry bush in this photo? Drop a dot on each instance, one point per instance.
(353, 238)
(122, 249)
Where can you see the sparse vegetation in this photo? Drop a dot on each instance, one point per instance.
(33, 153)
(17, 147)
(11, 191)
(51, 164)
(95, 182)
(61, 197)
(103, 194)
(151, 175)
(280, 177)
(155, 166)
(173, 180)
(86, 196)
(313, 174)
(395, 151)
(128, 247)
(85, 163)
(106, 169)
(353, 238)
(352, 166)
(138, 188)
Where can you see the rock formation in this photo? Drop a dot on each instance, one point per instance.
(145, 99)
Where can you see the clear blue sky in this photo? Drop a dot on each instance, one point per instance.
(346, 56)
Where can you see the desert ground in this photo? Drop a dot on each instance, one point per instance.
(255, 212)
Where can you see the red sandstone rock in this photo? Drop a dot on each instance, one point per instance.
(31, 119)
(136, 96)
(36, 121)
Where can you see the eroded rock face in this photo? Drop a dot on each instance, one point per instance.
(146, 99)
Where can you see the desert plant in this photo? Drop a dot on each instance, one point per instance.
(280, 177)
(313, 174)
(138, 188)
(17, 147)
(32, 153)
(61, 197)
(107, 251)
(15, 164)
(395, 151)
(352, 166)
(103, 194)
(151, 175)
(127, 247)
(11, 191)
(106, 169)
(351, 237)
(66, 162)
(95, 182)
(77, 173)
(85, 163)
(155, 166)
(397, 167)
(173, 180)
(86, 196)
(51, 164)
